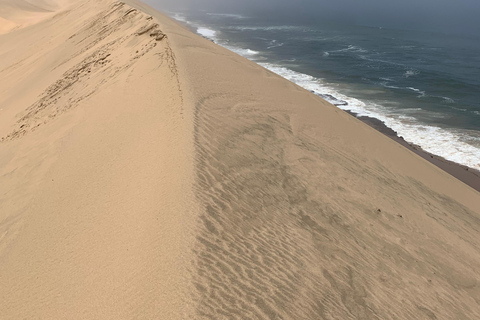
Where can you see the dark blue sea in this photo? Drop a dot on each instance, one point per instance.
(425, 86)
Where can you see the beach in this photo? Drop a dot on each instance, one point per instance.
(467, 175)
(147, 172)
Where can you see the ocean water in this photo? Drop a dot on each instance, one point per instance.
(425, 86)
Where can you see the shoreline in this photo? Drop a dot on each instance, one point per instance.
(467, 175)
(464, 173)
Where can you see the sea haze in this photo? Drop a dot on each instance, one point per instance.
(423, 85)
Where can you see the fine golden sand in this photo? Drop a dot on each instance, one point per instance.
(147, 173)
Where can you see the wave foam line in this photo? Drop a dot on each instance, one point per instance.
(460, 146)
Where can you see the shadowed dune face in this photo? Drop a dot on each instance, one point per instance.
(298, 226)
(292, 229)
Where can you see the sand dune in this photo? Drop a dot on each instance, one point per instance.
(148, 173)
(96, 169)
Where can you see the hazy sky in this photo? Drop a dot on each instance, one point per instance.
(440, 15)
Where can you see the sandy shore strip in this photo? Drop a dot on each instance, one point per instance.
(148, 173)
(469, 176)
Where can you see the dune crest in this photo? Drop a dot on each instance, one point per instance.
(105, 61)
(96, 165)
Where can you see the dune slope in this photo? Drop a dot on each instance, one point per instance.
(148, 173)
(310, 214)
(96, 168)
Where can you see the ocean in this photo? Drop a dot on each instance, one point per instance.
(423, 85)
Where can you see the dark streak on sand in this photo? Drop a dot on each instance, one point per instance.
(463, 173)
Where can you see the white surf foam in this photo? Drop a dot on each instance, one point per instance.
(421, 93)
(275, 44)
(212, 35)
(247, 53)
(207, 33)
(455, 145)
(268, 28)
(227, 15)
(387, 85)
(179, 17)
(410, 73)
(351, 48)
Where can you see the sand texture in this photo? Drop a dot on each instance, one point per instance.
(96, 169)
(147, 173)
